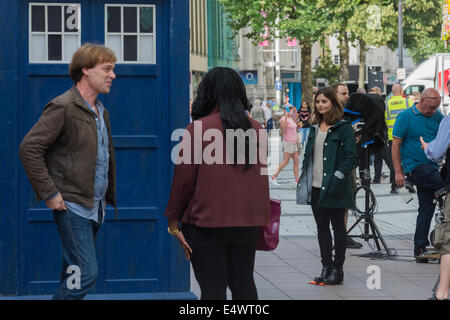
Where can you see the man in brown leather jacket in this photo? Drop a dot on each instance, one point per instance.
(69, 159)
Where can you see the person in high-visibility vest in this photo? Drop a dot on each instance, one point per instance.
(395, 105)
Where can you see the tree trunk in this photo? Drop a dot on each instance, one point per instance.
(362, 63)
(306, 73)
(344, 56)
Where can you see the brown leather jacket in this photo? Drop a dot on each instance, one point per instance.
(59, 153)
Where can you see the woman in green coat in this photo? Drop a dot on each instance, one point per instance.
(325, 183)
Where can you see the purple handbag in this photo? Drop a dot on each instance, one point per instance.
(269, 235)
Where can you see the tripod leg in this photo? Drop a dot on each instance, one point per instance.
(354, 225)
(378, 235)
(375, 235)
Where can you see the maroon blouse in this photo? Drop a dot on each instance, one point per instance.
(218, 195)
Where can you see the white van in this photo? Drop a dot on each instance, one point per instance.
(428, 75)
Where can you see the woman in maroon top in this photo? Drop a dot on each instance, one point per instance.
(221, 198)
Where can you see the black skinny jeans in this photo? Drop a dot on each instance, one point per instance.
(384, 153)
(217, 266)
(323, 216)
(221, 258)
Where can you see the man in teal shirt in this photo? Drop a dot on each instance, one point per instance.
(421, 120)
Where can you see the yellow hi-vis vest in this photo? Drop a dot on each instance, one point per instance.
(395, 105)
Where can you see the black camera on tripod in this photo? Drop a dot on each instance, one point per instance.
(366, 113)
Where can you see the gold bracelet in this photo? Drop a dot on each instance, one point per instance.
(173, 232)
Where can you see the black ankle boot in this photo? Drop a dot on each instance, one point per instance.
(336, 276)
(325, 273)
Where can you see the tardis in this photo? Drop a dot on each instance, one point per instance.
(148, 101)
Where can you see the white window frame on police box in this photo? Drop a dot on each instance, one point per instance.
(121, 34)
(66, 53)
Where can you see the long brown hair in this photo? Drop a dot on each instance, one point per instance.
(337, 111)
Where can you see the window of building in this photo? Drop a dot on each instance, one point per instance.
(130, 32)
(54, 32)
(336, 59)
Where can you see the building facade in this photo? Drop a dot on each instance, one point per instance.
(222, 44)
(198, 24)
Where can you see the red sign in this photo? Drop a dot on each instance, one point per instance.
(446, 73)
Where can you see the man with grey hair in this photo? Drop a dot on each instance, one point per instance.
(421, 120)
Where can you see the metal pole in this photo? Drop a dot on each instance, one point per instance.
(400, 34)
(277, 60)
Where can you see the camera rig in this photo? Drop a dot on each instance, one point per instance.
(366, 113)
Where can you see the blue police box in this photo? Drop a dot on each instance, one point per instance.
(148, 100)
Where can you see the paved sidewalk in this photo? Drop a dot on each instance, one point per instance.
(285, 272)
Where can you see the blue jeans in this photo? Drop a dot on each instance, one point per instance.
(428, 180)
(78, 238)
(305, 132)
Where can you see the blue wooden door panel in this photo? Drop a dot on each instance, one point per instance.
(147, 102)
(133, 248)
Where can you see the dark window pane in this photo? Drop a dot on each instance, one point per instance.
(54, 47)
(113, 19)
(71, 18)
(54, 18)
(129, 19)
(130, 48)
(38, 18)
(146, 20)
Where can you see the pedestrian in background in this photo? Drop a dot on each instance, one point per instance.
(304, 116)
(395, 105)
(288, 124)
(382, 152)
(421, 120)
(325, 184)
(258, 113)
(361, 90)
(268, 115)
(220, 207)
(76, 187)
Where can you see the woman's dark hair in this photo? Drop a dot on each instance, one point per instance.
(223, 88)
(337, 111)
(307, 102)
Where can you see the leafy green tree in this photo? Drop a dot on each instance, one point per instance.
(306, 20)
(326, 69)
(422, 21)
(342, 10)
(373, 24)
(423, 52)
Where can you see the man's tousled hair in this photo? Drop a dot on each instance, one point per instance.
(88, 56)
